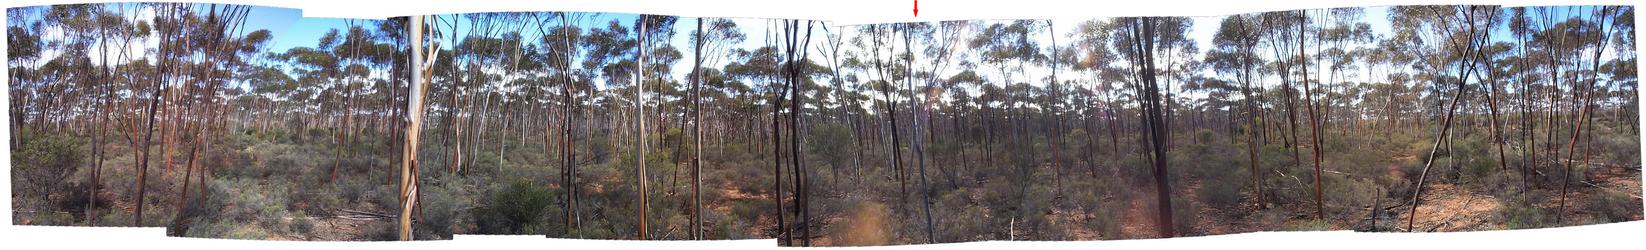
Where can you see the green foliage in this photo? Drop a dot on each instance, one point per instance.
(1345, 195)
(1185, 215)
(1306, 225)
(227, 230)
(42, 161)
(244, 209)
(317, 135)
(676, 140)
(1136, 168)
(600, 148)
(443, 210)
(952, 218)
(518, 208)
(1222, 192)
(1614, 206)
(831, 143)
(1520, 216)
(1032, 222)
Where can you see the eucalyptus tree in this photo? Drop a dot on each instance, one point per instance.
(830, 49)
(353, 55)
(421, 71)
(764, 64)
(1235, 51)
(509, 51)
(24, 47)
(322, 67)
(999, 45)
(650, 28)
(1136, 38)
(1338, 30)
(218, 35)
(169, 28)
(1177, 50)
(116, 26)
(563, 43)
(942, 55)
(795, 59)
(918, 97)
(1447, 21)
(881, 36)
(722, 34)
(1520, 27)
(1092, 58)
(1092, 40)
(1278, 36)
(1599, 35)
(1309, 106)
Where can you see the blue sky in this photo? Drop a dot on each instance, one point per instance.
(291, 29)
(278, 21)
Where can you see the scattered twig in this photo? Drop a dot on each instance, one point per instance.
(358, 212)
(1591, 184)
(1294, 178)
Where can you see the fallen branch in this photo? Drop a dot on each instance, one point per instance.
(1336, 172)
(358, 218)
(1586, 182)
(365, 213)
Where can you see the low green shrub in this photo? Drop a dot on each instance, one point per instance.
(512, 210)
(1520, 216)
(42, 161)
(1613, 206)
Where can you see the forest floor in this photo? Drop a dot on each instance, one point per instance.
(332, 228)
(347, 225)
(1449, 208)
(1211, 220)
(1069, 220)
(1445, 207)
(732, 195)
(1135, 222)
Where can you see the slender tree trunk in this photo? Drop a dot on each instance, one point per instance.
(1446, 126)
(697, 135)
(640, 127)
(1144, 30)
(919, 151)
(1309, 104)
(1582, 117)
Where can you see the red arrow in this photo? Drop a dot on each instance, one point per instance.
(917, 8)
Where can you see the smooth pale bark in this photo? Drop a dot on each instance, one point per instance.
(640, 126)
(914, 139)
(414, 105)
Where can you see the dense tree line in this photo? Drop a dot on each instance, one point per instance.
(583, 125)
